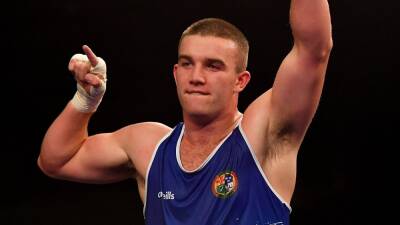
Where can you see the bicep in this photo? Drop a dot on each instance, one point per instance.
(111, 157)
(283, 113)
(101, 159)
(295, 93)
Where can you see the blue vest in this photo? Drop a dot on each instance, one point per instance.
(229, 188)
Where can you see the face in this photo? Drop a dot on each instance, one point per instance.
(206, 79)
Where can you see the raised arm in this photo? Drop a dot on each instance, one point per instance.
(299, 81)
(277, 121)
(69, 153)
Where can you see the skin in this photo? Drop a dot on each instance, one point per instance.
(208, 87)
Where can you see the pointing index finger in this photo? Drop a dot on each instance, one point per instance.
(91, 56)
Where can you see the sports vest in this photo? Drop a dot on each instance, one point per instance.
(229, 188)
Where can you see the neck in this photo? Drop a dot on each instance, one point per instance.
(210, 130)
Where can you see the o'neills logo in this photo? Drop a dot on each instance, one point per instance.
(225, 184)
(168, 195)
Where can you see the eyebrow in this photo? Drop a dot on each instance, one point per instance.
(186, 57)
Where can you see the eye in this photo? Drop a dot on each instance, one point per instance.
(214, 66)
(185, 63)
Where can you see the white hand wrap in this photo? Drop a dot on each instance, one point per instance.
(88, 102)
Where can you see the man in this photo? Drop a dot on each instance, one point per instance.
(219, 166)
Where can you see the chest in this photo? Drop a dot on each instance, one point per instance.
(192, 157)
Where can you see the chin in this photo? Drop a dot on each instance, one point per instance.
(198, 111)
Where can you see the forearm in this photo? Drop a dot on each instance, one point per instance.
(311, 26)
(64, 138)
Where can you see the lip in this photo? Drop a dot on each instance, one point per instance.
(197, 92)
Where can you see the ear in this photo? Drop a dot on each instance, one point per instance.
(241, 81)
(174, 71)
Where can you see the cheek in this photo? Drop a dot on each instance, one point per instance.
(227, 84)
(225, 88)
(179, 79)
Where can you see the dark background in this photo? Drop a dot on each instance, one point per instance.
(138, 40)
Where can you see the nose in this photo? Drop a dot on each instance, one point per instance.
(197, 76)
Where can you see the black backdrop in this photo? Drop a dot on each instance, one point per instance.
(138, 40)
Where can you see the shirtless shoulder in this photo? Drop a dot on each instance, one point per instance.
(139, 141)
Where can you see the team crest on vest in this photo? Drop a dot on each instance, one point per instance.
(225, 184)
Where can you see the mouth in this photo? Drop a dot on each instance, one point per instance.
(196, 92)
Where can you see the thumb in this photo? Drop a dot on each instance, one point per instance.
(93, 80)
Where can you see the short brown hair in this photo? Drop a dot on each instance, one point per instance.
(223, 29)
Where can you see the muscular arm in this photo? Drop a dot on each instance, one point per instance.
(277, 121)
(69, 153)
(299, 81)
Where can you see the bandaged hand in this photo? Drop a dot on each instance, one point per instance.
(90, 73)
